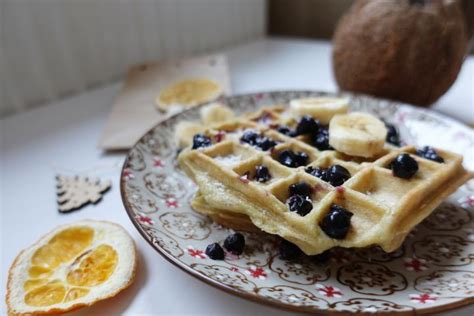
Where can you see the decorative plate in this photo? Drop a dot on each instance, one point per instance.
(431, 272)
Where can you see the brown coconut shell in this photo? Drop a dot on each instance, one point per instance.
(400, 49)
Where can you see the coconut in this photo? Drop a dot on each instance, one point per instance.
(410, 51)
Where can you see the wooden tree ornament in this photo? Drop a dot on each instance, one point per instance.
(75, 192)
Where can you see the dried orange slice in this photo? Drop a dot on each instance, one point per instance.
(187, 93)
(73, 266)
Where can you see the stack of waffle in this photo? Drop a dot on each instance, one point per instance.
(381, 207)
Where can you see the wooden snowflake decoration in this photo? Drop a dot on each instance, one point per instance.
(75, 192)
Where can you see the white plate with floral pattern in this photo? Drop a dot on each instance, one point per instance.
(431, 272)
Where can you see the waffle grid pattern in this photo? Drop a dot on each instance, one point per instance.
(380, 202)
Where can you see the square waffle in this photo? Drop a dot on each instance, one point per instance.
(385, 208)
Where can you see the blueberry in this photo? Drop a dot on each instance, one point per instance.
(262, 174)
(301, 188)
(287, 158)
(317, 172)
(285, 130)
(265, 143)
(307, 125)
(322, 257)
(320, 140)
(337, 222)
(289, 251)
(392, 134)
(249, 137)
(301, 158)
(404, 166)
(336, 175)
(215, 251)
(235, 243)
(429, 153)
(300, 204)
(291, 159)
(199, 140)
(254, 139)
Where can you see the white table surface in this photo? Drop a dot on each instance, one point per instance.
(61, 138)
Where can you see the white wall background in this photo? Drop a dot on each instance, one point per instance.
(53, 48)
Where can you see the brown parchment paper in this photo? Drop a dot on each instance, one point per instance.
(134, 111)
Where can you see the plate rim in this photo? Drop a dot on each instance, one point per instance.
(253, 297)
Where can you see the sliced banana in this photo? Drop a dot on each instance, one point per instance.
(322, 109)
(216, 113)
(357, 134)
(184, 132)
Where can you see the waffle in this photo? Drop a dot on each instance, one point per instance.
(385, 208)
(235, 221)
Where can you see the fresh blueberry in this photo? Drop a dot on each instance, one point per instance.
(215, 251)
(336, 175)
(262, 174)
(404, 166)
(287, 158)
(265, 143)
(199, 140)
(300, 188)
(254, 139)
(285, 130)
(320, 140)
(235, 243)
(307, 125)
(337, 222)
(249, 137)
(429, 153)
(289, 251)
(291, 159)
(300, 204)
(322, 257)
(317, 172)
(301, 158)
(393, 136)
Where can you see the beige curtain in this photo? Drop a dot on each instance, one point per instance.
(51, 48)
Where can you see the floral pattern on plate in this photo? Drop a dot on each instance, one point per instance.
(431, 271)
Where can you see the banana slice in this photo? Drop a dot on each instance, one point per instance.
(216, 113)
(357, 134)
(322, 109)
(184, 132)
